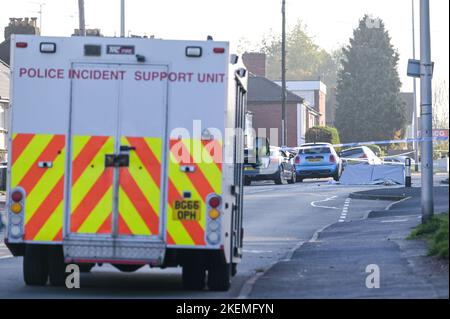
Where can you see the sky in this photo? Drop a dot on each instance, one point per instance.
(329, 22)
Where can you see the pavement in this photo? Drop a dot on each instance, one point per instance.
(338, 262)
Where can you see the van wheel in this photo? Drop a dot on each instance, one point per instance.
(193, 276)
(233, 269)
(85, 268)
(219, 276)
(127, 268)
(35, 265)
(56, 266)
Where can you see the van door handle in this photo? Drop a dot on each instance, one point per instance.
(125, 148)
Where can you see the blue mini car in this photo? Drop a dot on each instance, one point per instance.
(317, 161)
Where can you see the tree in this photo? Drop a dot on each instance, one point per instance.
(440, 105)
(305, 60)
(369, 106)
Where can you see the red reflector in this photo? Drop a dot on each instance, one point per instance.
(219, 50)
(21, 45)
(16, 196)
(214, 202)
(297, 160)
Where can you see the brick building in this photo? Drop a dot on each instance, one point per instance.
(264, 101)
(315, 95)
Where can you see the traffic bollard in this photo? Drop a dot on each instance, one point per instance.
(407, 172)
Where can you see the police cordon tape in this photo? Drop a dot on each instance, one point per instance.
(408, 140)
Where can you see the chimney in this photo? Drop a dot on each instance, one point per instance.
(255, 63)
(21, 26)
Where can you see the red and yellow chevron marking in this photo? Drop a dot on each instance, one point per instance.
(140, 187)
(44, 187)
(206, 158)
(92, 185)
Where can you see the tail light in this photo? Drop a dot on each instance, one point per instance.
(273, 160)
(213, 222)
(332, 159)
(16, 196)
(297, 160)
(21, 45)
(363, 156)
(219, 50)
(214, 201)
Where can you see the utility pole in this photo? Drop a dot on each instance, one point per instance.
(415, 117)
(426, 74)
(122, 18)
(283, 76)
(82, 25)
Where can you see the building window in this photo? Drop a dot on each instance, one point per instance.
(2, 117)
(312, 120)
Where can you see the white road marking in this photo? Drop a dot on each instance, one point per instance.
(313, 204)
(395, 221)
(256, 251)
(397, 202)
(344, 211)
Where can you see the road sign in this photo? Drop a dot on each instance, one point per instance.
(436, 133)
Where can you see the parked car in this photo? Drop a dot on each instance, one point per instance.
(317, 161)
(360, 154)
(277, 166)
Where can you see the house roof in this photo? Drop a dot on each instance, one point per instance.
(4, 81)
(301, 85)
(262, 90)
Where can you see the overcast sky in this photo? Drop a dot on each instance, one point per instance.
(330, 22)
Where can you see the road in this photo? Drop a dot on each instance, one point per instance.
(278, 219)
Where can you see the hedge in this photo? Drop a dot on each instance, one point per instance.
(322, 134)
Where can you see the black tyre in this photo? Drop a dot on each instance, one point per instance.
(127, 268)
(219, 276)
(299, 180)
(293, 178)
(233, 269)
(85, 268)
(35, 265)
(280, 179)
(56, 266)
(193, 276)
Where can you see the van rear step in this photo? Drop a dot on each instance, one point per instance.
(140, 252)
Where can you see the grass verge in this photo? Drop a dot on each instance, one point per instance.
(435, 231)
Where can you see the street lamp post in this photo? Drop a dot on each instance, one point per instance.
(122, 18)
(415, 117)
(283, 76)
(426, 73)
(82, 25)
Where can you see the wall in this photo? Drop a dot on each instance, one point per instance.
(266, 116)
